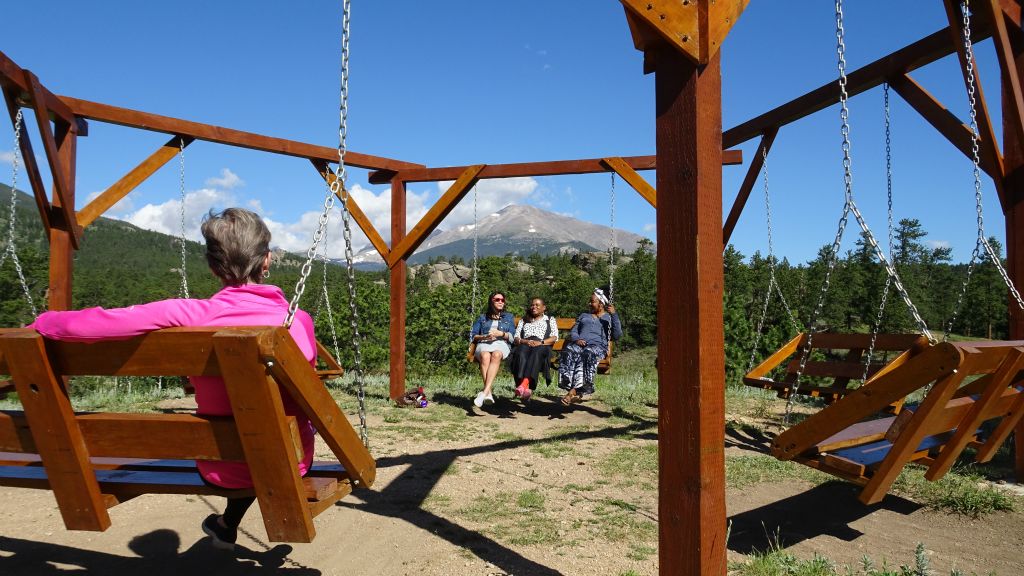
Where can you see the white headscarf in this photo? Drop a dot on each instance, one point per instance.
(600, 296)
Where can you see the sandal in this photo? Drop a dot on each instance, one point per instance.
(570, 398)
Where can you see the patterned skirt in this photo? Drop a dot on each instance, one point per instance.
(577, 367)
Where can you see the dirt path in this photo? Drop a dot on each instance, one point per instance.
(461, 491)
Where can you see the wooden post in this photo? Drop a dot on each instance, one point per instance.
(691, 372)
(62, 258)
(1013, 210)
(398, 294)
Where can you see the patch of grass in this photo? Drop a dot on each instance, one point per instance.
(507, 436)
(637, 464)
(451, 470)
(552, 448)
(959, 492)
(436, 502)
(747, 470)
(530, 499)
(616, 520)
(641, 552)
(776, 561)
(519, 520)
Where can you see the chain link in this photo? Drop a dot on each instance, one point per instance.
(612, 246)
(325, 298)
(10, 250)
(888, 279)
(183, 290)
(476, 256)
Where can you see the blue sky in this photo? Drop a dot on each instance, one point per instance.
(455, 83)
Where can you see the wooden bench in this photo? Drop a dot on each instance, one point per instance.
(94, 461)
(843, 363)
(564, 325)
(971, 383)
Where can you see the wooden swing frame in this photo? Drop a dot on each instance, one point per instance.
(681, 43)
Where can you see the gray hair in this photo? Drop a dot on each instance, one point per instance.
(237, 242)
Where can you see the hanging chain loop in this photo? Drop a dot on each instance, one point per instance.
(10, 251)
(612, 246)
(476, 256)
(183, 290)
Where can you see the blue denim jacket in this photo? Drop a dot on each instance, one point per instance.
(506, 323)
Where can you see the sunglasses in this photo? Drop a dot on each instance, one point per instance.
(497, 299)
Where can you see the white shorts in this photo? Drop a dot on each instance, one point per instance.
(496, 346)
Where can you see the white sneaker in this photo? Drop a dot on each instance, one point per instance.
(479, 400)
(489, 399)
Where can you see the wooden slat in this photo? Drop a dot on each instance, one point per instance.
(435, 215)
(28, 158)
(259, 414)
(980, 411)
(309, 393)
(834, 369)
(221, 135)
(748, 184)
(911, 57)
(63, 189)
(947, 124)
(860, 433)
(55, 432)
(761, 370)
(545, 168)
(646, 191)
(334, 369)
(357, 213)
(93, 210)
(1012, 417)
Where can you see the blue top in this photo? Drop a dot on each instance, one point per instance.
(482, 326)
(596, 329)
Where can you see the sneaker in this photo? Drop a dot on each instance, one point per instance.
(221, 537)
(479, 400)
(489, 399)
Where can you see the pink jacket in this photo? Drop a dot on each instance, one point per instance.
(248, 305)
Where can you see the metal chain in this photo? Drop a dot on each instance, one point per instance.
(11, 250)
(326, 299)
(888, 279)
(476, 255)
(982, 241)
(611, 248)
(183, 290)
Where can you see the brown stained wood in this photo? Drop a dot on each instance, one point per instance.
(221, 135)
(816, 463)
(259, 414)
(884, 389)
(357, 213)
(12, 79)
(842, 465)
(682, 25)
(291, 371)
(64, 229)
(980, 411)
(55, 433)
(884, 342)
(769, 363)
(64, 197)
(28, 158)
(334, 369)
(691, 369)
(444, 205)
(646, 191)
(397, 296)
(1012, 418)
(989, 143)
(913, 56)
(947, 124)
(722, 16)
(904, 448)
(342, 488)
(93, 210)
(547, 168)
(756, 163)
(855, 435)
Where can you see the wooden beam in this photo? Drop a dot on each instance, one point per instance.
(398, 295)
(694, 29)
(435, 215)
(756, 164)
(958, 133)
(220, 135)
(635, 180)
(549, 168)
(88, 214)
(357, 213)
(12, 78)
(1012, 93)
(63, 235)
(989, 146)
(907, 59)
(28, 158)
(63, 189)
(691, 370)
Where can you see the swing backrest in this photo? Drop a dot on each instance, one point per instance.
(92, 461)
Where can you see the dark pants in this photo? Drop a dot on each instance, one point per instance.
(527, 362)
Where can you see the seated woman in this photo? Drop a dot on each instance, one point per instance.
(534, 336)
(238, 253)
(492, 332)
(587, 345)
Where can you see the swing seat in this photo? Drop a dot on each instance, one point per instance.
(93, 461)
(975, 400)
(603, 367)
(842, 362)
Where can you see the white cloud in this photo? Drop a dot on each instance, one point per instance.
(492, 195)
(166, 217)
(933, 244)
(650, 227)
(121, 207)
(6, 157)
(228, 180)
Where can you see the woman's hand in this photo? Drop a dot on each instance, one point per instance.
(495, 333)
(610, 308)
(581, 343)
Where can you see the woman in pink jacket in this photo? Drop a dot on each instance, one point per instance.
(238, 253)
